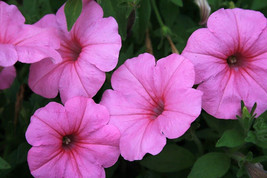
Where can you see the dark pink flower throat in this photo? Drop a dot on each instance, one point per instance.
(67, 141)
(158, 108)
(236, 60)
(70, 50)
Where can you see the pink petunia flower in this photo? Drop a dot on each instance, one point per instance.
(230, 59)
(89, 50)
(7, 76)
(152, 101)
(72, 141)
(22, 42)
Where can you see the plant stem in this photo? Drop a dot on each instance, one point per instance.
(197, 141)
(157, 13)
(149, 48)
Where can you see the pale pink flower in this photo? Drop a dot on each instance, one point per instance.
(152, 101)
(22, 42)
(89, 50)
(72, 141)
(230, 59)
(7, 76)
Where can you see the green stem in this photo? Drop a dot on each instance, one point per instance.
(197, 141)
(157, 13)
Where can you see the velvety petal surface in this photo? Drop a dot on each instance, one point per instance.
(47, 126)
(7, 76)
(101, 43)
(80, 79)
(45, 73)
(8, 55)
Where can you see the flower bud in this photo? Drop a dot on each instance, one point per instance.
(204, 9)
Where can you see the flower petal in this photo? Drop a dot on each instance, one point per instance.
(45, 73)
(51, 161)
(34, 44)
(7, 76)
(101, 43)
(140, 138)
(173, 71)
(80, 79)
(88, 115)
(100, 146)
(8, 55)
(208, 54)
(47, 126)
(180, 111)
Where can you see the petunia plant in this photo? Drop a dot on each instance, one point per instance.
(133, 88)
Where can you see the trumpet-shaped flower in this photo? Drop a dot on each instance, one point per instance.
(89, 50)
(230, 59)
(151, 101)
(22, 42)
(72, 140)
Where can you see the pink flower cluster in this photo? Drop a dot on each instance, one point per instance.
(150, 100)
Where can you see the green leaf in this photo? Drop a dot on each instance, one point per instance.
(72, 9)
(4, 164)
(143, 13)
(211, 165)
(220, 125)
(259, 4)
(172, 158)
(231, 138)
(177, 2)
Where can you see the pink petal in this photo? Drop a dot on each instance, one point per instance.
(45, 73)
(7, 76)
(91, 11)
(123, 105)
(173, 71)
(227, 89)
(237, 27)
(258, 48)
(10, 13)
(140, 138)
(88, 115)
(101, 146)
(51, 161)
(34, 44)
(8, 55)
(47, 126)
(222, 94)
(134, 76)
(48, 20)
(80, 79)
(181, 108)
(101, 43)
(208, 54)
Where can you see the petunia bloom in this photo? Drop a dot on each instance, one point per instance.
(152, 101)
(89, 50)
(22, 42)
(72, 140)
(230, 59)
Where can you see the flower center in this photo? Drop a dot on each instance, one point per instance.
(70, 50)
(232, 60)
(67, 141)
(158, 109)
